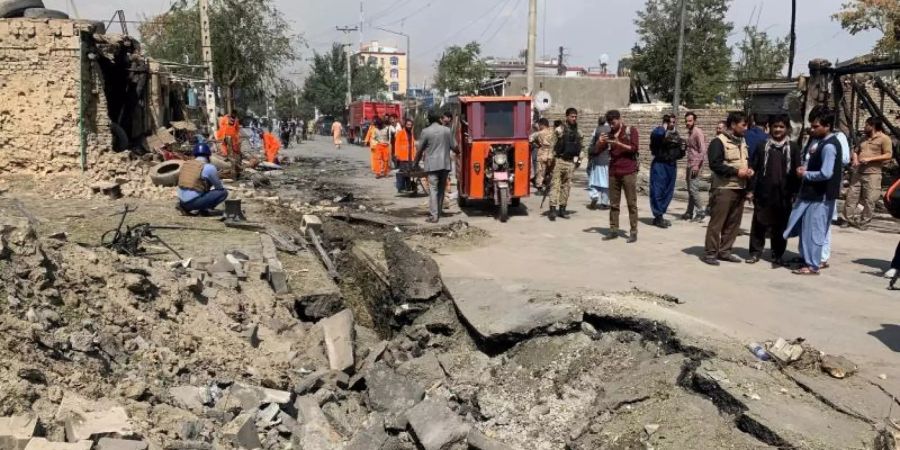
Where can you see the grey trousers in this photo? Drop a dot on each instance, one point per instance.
(693, 185)
(437, 183)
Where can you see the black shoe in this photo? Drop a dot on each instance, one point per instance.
(552, 214)
(778, 262)
(563, 214)
(613, 235)
(710, 260)
(659, 222)
(753, 259)
(687, 217)
(593, 204)
(666, 223)
(603, 207)
(730, 258)
(700, 216)
(632, 238)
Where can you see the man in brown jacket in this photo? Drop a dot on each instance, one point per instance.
(865, 176)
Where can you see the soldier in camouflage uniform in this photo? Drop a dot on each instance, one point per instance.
(568, 152)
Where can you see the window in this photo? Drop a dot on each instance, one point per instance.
(499, 120)
(395, 61)
(395, 87)
(395, 74)
(373, 60)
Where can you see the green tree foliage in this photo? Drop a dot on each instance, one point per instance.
(288, 103)
(761, 57)
(251, 42)
(461, 69)
(857, 16)
(707, 56)
(326, 86)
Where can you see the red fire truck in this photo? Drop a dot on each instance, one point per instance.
(363, 112)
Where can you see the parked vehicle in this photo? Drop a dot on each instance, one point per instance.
(495, 158)
(363, 112)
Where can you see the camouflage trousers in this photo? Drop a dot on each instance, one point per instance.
(563, 171)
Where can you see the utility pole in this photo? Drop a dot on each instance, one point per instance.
(347, 31)
(793, 39)
(679, 62)
(206, 41)
(361, 17)
(532, 43)
(560, 67)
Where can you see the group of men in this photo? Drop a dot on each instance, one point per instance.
(793, 190)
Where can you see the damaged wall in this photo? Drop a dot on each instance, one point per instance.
(40, 74)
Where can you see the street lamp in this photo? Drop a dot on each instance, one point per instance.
(408, 55)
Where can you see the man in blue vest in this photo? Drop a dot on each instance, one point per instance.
(199, 187)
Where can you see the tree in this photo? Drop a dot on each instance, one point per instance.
(287, 100)
(461, 70)
(250, 42)
(882, 15)
(707, 56)
(326, 86)
(762, 58)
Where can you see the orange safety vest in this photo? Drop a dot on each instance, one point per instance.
(271, 145)
(228, 130)
(404, 146)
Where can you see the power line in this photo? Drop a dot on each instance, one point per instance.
(408, 16)
(505, 21)
(384, 12)
(497, 16)
(460, 30)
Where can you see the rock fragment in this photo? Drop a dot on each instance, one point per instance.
(120, 444)
(87, 420)
(316, 432)
(339, 333)
(16, 431)
(242, 432)
(838, 366)
(478, 441)
(435, 426)
(44, 444)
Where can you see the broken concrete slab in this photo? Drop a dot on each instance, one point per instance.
(317, 379)
(391, 392)
(44, 444)
(277, 277)
(249, 398)
(88, 420)
(425, 369)
(310, 221)
(317, 433)
(517, 315)
(414, 276)
(338, 330)
(242, 432)
(855, 395)
(435, 426)
(478, 441)
(782, 414)
(16, 431)
(785, 352)
(121, 444)
(372, 436)
(192, 398)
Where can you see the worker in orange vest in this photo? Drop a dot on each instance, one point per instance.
(229, 127)
(380, 146)
(404, 156)
(271, 146)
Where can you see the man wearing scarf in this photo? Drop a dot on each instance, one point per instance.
(772, 188)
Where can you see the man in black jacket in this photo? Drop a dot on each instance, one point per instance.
(772, 189)
(666, 150)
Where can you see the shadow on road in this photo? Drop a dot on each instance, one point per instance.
(889, 335)
(879, 264)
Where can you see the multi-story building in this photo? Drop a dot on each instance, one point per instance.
(392, 60)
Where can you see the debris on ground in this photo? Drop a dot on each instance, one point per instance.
(838, 366)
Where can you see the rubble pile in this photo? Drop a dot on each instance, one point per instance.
(110, 174)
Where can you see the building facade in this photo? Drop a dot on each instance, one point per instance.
(392, 60)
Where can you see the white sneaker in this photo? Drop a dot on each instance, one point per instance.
(890, 273)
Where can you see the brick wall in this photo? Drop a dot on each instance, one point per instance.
(40, 74)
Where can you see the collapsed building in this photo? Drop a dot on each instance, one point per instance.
(72, 96)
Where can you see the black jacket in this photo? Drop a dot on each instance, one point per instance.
(775, 181)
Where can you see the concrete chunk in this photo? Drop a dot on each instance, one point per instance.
(43, 444)
(373, 436)
(88, 420)
(251, 397)
(242, 432)
(435, 426)
(268, 247)
(16, 431)
(121, 444)
(478, 441)
(390, 392)
(310, 221)
(316, 432)
(339, 340)
(516, 316)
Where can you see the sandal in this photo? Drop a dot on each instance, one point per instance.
(824, 265)
(805, 271)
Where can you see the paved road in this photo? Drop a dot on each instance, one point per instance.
(845, 311)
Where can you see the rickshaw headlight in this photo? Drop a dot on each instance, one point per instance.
(500, 159)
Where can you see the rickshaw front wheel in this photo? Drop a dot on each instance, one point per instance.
(504, 204)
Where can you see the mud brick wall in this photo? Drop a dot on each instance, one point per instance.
(40, 73)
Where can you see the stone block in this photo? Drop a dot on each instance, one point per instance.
(478, 441)
(16, 431)
(277, 277)
(435, 426)
(310, 221)
(269, 251)
(338, 330)
(242, 432)
(43, 444)
(121, 444)
(87, 420)
(192, 398)
(249, 398)
(390, 392)
(316, 432)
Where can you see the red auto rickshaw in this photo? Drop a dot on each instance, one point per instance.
(495, 158)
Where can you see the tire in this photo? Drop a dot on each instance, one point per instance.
(16, 8)
(166, 173)
(504, 204)
(462, 201)
(43, 13)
